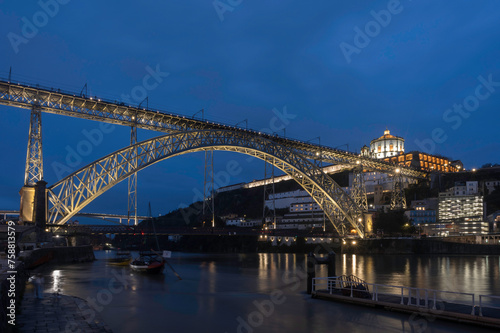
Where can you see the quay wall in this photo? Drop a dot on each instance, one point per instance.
(416, 246)
(59, 255)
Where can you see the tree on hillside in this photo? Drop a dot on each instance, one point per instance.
(492, 201)
(392, 222)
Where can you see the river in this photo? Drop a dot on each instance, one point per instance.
(263, 292)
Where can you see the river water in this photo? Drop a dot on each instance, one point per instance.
(263, 292)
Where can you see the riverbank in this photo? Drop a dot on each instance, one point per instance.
(58, 313)
(415, 246)
(13, 279)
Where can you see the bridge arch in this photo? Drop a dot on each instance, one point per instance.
(68, 196)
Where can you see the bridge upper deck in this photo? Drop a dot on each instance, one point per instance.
(77, 105)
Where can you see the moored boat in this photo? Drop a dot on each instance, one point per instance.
(148, 262)
(122, 258)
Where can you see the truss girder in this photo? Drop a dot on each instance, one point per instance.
(358, 189)
(398, 198)
(73, 193)
(132, 185)
(34, 156)
(52, 101)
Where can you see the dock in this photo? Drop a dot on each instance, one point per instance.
(483, 310)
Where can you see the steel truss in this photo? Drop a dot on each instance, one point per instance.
(132, 185)
(74, 105)
(208, 187)
(71, 194)
(398, 198)
(34, 158)
(358, 189)
(269, 213)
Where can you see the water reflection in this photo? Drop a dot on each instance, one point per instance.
(56, 282)
(218, 292)
(475, 274)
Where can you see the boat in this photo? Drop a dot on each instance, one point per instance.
(148, 262)
(122, 258)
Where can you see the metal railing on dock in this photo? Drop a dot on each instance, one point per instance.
(404, 297)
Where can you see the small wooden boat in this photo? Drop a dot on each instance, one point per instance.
(122, 258)
(148, 262)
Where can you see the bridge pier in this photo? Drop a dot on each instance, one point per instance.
(34, 207)
(40, 209)
(26, 210)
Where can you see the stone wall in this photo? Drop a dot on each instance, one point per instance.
(60, 255)
(416, 246)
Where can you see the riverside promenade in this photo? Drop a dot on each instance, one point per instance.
(57, 313)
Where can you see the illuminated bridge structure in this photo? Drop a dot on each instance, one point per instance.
(101, 216)
(57, 203)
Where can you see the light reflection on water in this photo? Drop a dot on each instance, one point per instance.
(219, 292)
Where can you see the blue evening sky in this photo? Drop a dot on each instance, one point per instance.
(341, 70)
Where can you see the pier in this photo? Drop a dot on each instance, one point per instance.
(483, 310)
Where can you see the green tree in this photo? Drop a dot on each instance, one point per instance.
(391, 223)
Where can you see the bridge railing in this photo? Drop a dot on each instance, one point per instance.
(167, 119)
(406, 296)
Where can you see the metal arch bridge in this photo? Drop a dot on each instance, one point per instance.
(73, 193)
(105, 217)
(187, 135)
(77, 105)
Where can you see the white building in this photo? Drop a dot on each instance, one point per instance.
(462, 214)
(387, 146)
(465, 188)
(236, 222)
(304, 214)
(243, 223)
